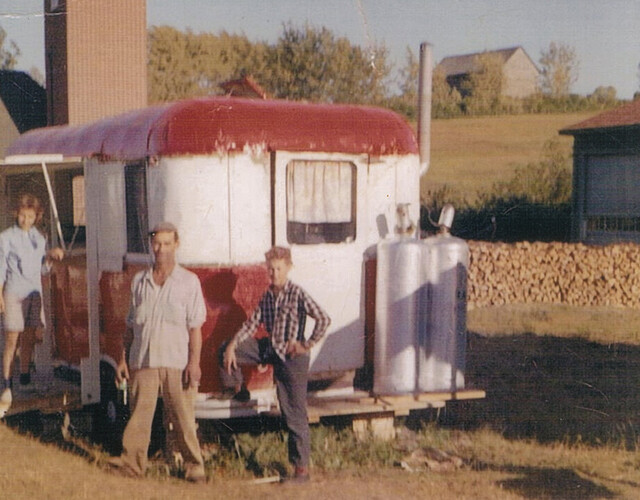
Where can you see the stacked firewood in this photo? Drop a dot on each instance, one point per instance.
(564, 273)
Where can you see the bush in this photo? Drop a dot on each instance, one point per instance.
(534, 205)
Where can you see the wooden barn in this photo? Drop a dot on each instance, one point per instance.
(520, 73)
(606, 176)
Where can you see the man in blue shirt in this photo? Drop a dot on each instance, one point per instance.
(165, 320)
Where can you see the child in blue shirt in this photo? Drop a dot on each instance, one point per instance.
(23, 259)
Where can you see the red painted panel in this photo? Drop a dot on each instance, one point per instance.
(231, 294)
(222, 124)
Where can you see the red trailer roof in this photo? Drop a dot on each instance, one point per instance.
(221, 124)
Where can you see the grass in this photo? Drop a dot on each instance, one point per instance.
(605, 325)
(470, 154)
(560, 420)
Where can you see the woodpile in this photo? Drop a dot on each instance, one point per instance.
(563, 273)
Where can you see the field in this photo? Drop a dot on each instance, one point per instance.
(470, 154)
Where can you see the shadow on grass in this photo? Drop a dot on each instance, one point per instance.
(556, 389)
(561, 484)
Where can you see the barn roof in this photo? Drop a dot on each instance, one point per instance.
(221, 124)
(468, 63)
(24, 98)
(627, 115)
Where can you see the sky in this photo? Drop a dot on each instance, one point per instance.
(605, 34)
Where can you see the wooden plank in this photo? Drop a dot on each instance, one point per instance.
(319, 407)
(47, 404)
(426, 396)
(47, 395)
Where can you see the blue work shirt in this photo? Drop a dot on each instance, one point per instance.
(22, 261)
(161, 317)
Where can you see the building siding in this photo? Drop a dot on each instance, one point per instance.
(521, 76)
(97, 59)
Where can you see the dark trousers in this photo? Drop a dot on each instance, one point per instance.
(291, 383)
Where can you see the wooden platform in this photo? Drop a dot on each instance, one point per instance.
(47, 394)
(363, 403)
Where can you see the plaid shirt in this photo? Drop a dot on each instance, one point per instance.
(284, 317)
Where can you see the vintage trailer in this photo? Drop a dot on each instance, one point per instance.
(236, 176)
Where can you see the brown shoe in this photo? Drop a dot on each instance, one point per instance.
(300, 475)
(197, 479)
(115, 465)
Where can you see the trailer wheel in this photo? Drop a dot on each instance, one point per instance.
(111, 415)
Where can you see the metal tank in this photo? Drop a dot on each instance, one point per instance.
(442, 329)
(398, 285)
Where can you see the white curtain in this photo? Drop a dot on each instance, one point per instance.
(319, 191)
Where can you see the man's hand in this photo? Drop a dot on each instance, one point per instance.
(192, 374)
(230, 362)
(122, 372)
(295, 348)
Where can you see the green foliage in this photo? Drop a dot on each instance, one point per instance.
(338, 449)
(446, 100)
(186, 64)
(305, 64)
(533, 205)
(546, 182)
(406, 103)
(559, 69)
(312, 64)
(604, 96)
(8, 56)
(483, 88)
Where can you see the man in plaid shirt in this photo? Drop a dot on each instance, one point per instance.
(282, 310)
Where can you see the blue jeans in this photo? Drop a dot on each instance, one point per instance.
(291, 383)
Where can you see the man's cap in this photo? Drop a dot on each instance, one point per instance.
(164, 227)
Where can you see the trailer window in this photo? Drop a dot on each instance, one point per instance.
(321, 204)
(135, 185)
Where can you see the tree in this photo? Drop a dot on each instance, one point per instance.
(484, 85)
(604, 96)
(560, 67)
(312, 64)
(308, 63)
(409, 75)
(8, 56)
(445, 100)
(185, 64)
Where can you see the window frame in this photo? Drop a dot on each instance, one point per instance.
(317, 233)
(136, 217)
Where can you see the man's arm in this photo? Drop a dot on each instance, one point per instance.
(247, 329)
(193, 373)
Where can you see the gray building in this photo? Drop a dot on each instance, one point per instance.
(521, 74)
(606, 176)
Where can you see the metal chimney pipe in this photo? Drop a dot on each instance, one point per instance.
(424, 106)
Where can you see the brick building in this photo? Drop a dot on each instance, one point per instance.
(521, 74)
(95, 57)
